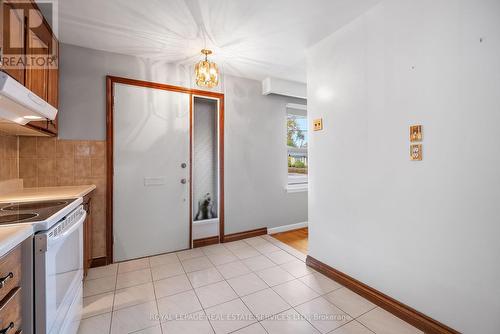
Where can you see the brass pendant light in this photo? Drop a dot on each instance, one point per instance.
(207, 73)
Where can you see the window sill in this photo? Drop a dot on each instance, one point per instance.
(297, 188)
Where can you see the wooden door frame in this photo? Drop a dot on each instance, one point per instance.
(110, 81)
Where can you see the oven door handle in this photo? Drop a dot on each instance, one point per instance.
(71, 229)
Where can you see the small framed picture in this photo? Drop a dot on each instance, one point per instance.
(415, 133)
(416, 152)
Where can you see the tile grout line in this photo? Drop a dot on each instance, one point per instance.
(235, 299)
(291, 306)
(283, 246)
(319, 296)
(258, 323)
(154, 293)
(198, 298)
(353, 318)
(330, 302)
(114, 296)
(304, 318)
(184, 272)
(251, 271)
(226, 280)
(113, 304)
(240, 297)
(327, 300)
(127, 272)
(268, 287)
(362, 324)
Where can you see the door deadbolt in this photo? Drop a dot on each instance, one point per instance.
(183, 165)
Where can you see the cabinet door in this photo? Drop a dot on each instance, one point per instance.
(38, 45)
(41, 78)
(13, 36)
(53, 85)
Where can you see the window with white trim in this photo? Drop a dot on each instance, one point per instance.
(296, 141)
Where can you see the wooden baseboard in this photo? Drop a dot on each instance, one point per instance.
(402, 311)
(245, 234)
(205, 241)
(99, 262)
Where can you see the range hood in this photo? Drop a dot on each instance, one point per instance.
(20, 105)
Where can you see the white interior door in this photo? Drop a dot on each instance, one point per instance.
(151, 156)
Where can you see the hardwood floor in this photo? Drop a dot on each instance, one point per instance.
(296, 239)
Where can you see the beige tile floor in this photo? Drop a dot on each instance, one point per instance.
(253, 286)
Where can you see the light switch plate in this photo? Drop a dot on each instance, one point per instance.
(318, 124)
(416, 152)
(415, 133)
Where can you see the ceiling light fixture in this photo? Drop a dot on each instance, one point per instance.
(207, 74)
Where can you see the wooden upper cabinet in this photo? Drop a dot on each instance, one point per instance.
(30, 53)
(53, 84)
(13, 40)
(38, 48)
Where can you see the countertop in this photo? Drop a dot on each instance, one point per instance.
(11, 236)
(46, 193)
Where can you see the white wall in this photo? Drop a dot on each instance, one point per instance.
(425, 233)
(256, 159)
(255, 139)
(82, 86)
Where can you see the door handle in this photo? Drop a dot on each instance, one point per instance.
(183, 181)
(7, 329)
(5, 279)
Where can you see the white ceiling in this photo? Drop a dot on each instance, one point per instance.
(250, 38)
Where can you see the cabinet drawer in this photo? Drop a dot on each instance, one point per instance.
(10, 272)
(10, 312)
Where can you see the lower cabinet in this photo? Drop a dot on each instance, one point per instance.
(10, 318)
(87, 234)
(10, 292)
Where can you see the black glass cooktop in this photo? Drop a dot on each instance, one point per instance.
(16, 218)
(33, 206)
(27, 212)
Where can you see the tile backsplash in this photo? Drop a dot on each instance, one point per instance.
(48, 162)
(9, 162)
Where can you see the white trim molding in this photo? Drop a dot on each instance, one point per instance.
(205, 228)
(297, 188)
(285, 228)
(284, 87)
(296, 106)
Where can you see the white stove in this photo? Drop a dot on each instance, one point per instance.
(58, 260)
(41, 215)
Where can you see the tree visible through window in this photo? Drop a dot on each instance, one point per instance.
(297, 148)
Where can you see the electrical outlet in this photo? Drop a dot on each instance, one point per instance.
(318, 124)
(416, 152)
